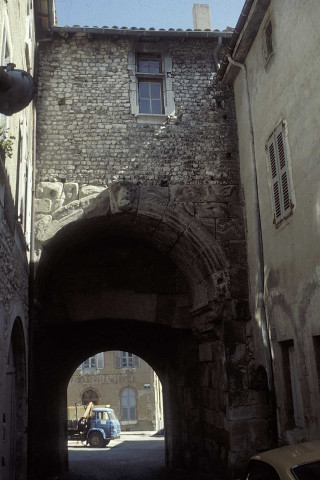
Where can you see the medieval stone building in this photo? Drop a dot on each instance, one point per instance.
(175, 217)
(140, 235)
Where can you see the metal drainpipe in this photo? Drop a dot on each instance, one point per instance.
(215, 53)
(258, 236)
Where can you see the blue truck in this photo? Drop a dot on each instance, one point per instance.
(96, 427)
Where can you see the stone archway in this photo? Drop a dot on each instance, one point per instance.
(14, 426)
(137, 266)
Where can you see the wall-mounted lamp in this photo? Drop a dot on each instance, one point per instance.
(16, 89)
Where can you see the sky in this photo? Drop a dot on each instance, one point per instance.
(145, 13)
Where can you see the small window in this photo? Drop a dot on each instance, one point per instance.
(148, 64)
(280, 179)
(268, 41)
(151, 92)
(150, 86)
(150, 97)
(94, 363)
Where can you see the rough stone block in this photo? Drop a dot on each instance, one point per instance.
(51, 190)
(239, 282)
(42, 205)
(234, 332)
(71, 191)
(211, 210)
(206, 352)
(209, 224)
(229, 229)
(87, 190)
(247, 412)
(238, 252)
(236, 210)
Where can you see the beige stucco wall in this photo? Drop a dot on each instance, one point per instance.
(110, 381)
(287, 89)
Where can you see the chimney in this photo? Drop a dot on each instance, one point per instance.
(201, 16)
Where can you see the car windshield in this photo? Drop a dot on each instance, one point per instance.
(308, 471)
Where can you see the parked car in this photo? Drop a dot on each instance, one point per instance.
(294, 462)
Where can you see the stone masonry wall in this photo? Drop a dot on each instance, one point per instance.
(87, 134)
(88, 139)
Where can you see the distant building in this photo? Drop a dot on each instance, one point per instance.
(123, 381)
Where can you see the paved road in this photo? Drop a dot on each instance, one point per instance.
(132, 457)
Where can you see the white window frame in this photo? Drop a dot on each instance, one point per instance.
(280, 174)
(126, 360)
(96, 362)
(164, 76)
(268, 41)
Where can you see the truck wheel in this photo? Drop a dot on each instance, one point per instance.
(96, 440)
(106, 442)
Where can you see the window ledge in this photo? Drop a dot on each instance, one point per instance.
(151, 118)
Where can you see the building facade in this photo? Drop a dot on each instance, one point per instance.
(123, 381)
(17, 145)
(277, 102)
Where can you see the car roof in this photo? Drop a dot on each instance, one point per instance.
(284, 458)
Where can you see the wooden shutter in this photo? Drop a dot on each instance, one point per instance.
(100, 361)
(136, 361)
(275, 184)
(117, 359)
(283, 170)
(280, 183)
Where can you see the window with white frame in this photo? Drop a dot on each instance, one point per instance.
(126, 360)
(96, 362)
(151, 94)
(150, 84)
(268, 41)
(278, 160)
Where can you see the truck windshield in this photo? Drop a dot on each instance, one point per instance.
(102, 415)
(112, 415)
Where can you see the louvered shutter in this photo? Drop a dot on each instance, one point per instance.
(100, 361)
(117, 359)
(280, 183)
(275, 184)
(136, 361)
(283, 171)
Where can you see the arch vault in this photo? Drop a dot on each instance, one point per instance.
(129, 268)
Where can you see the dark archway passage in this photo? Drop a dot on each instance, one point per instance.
(148, 279)
(113, 292)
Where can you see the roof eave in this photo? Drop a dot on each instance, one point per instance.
(243, 37)
(129, 32)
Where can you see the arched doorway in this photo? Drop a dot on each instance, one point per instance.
(90, 396)
(14, 427)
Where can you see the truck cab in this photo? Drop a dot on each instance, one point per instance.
(96, 426)
(103, 427)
